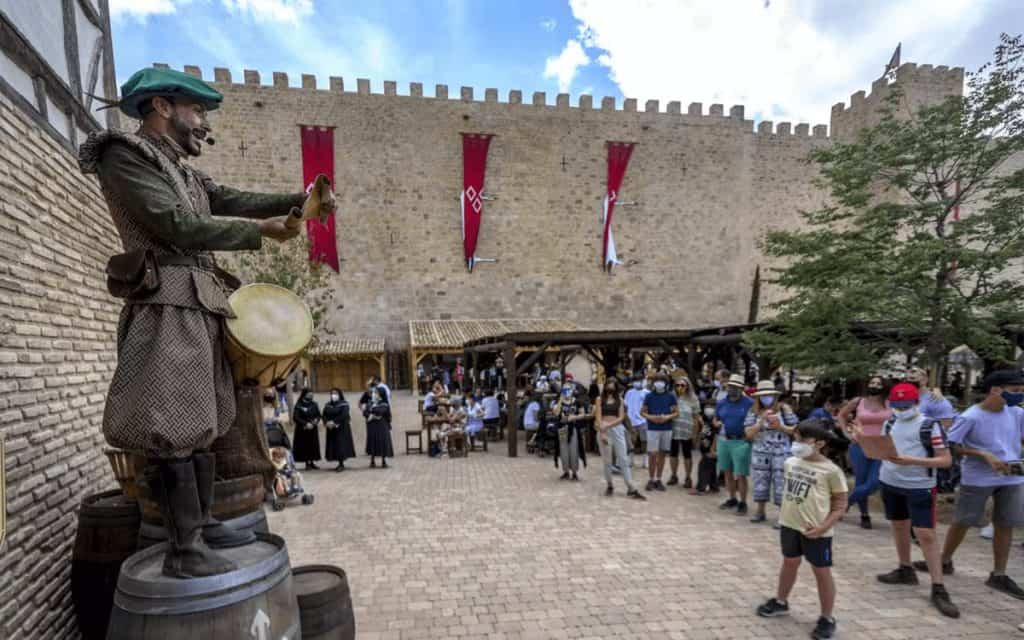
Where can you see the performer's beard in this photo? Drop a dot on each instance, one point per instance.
(187, 136)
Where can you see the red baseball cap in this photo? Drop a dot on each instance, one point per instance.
(903, 395)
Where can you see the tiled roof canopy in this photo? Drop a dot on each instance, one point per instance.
(348, 347)
(426, 335)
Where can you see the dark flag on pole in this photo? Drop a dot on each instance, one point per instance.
(894, 61)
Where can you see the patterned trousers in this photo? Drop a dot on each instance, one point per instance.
(766, 472)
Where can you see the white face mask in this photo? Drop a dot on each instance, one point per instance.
(905, 414)
(335, 397)
(659, 386)
(802, 449)
(767, 401)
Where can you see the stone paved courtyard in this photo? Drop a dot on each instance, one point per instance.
(497, 547)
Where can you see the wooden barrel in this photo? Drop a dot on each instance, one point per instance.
(108, 525)
(231, 499)
(325, 604)
(150, 534)
(254, 601)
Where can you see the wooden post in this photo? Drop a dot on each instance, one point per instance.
(415, 386)
(383, 372)
(512, 388)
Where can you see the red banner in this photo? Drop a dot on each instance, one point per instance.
(317, 158)
(474, 165)
(618, 160)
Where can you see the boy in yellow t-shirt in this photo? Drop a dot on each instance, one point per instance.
(814, 499)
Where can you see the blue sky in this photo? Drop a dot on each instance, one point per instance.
(784, 60)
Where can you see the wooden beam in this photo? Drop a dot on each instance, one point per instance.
(71, 47)
(383, 371)
(412, 372)
(512, 405)
(534, 357)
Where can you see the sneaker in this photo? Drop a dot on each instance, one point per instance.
(902, 575)
(687, 484)
(987, 532)
(1005, 584)
(636, 495)
(922, 566)
(564, 476)
(865, 522)
(575, 477)
(826, 628)
(773, 609)
(659, 486)
(650, 486)
(741, 509)
(729, 504)
(759, 517)
(615, 469)
(940, 598)
(674, 480)
(609, 491)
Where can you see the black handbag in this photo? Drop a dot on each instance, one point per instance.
(133, 275)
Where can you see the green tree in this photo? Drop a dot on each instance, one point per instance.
(886, 267)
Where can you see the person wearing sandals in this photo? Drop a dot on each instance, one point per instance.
(769, 427)
(609, 418)
(685, 428)
(869, 413)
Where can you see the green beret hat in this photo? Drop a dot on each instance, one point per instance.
(167, 83)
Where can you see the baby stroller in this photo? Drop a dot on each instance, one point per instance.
(287, 483)
(545, 440)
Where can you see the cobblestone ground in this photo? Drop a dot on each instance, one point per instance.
(497, 547)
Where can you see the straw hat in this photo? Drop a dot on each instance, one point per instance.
(766, 388)
(736, 380)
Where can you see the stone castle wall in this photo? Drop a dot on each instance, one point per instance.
(57, 352)
(709, 185)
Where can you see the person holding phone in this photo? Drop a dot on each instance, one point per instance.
(988, 436)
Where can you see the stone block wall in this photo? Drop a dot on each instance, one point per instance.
(57, 352)
(708, 187)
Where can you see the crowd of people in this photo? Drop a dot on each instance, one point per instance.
(335, 418)
(755, 443)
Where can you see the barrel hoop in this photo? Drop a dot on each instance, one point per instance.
(200, 594)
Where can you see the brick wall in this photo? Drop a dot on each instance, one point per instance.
(57, 340)
(709, 184)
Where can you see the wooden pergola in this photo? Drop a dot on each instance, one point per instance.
(447, 337)
(598, 342)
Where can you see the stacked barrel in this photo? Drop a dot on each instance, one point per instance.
(120, 592)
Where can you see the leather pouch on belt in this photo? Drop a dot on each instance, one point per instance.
(133, 275)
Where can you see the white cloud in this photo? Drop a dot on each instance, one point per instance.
(779, 61)
(549, 24)
(272, 10)
(140, 9)
(564, 65)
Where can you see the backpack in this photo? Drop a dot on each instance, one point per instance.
(925, 434)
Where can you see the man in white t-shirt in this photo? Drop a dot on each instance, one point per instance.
(637, 423)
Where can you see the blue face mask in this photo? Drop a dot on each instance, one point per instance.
(1013, 398)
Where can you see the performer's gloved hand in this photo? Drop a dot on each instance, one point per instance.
(275, 229)
(328, 206)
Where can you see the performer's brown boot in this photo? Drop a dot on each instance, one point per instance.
(173, 485)
(215, 533)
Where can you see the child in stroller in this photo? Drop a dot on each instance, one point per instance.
(288, 480)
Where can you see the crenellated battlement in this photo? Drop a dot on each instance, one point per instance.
(715, 113)
(921, 84)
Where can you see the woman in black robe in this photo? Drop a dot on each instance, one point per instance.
(306, 417)
(378, 427)
(338, 421)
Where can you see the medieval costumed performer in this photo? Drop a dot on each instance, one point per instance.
(172, 393)
(571, 417)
